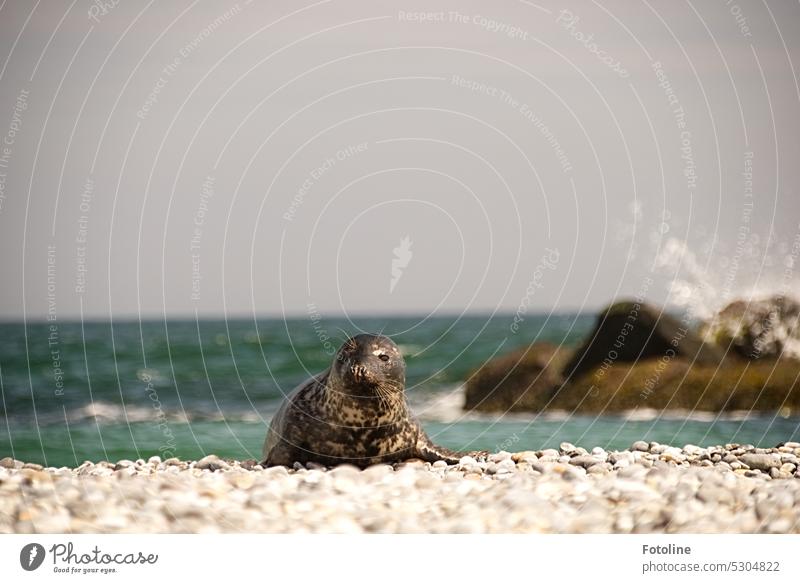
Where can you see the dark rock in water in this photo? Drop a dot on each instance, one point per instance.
(629, 331)
(759, 328)
(523, 380)
(635, 358)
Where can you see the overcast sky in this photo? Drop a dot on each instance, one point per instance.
(226, 158)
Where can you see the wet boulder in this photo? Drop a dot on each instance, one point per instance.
(523, 380)
(765, 328)
(630, 331)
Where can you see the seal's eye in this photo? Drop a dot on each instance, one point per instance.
(384, 357)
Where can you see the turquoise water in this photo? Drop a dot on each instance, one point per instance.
(187, 388)
(55, 444)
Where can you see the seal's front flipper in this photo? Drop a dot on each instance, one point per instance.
(430, 452)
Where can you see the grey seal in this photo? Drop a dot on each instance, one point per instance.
(355, 412)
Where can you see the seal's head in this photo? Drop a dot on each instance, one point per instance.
(368, 362)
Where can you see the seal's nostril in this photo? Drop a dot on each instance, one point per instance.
(358, 371)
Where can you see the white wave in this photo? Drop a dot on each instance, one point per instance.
(410, 349)
(446, 406)
(443, 406)
(703, 288)
(106, 413)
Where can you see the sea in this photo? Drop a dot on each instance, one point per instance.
(111, 390)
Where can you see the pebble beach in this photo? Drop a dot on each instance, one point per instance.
(648, 488)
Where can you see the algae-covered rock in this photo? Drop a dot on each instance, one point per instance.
(734, 384)
(523, 380)
(757, 329)
(638, 357)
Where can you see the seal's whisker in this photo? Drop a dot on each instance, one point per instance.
(345, 336)
(393, 385)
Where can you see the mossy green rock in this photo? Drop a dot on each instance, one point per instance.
(514, 383)
(734, 384)
(660, 363)
(523, 380)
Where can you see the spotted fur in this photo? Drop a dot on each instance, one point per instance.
(355, 412)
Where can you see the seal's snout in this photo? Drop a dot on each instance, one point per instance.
(359, 372)
(367, 361)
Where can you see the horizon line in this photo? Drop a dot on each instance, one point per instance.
(184, 316)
